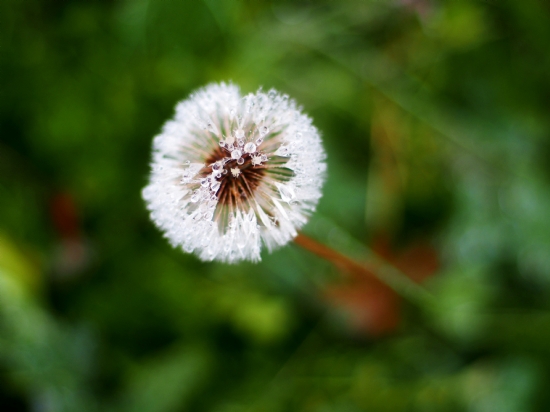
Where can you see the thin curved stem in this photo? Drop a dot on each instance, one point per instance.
(376, 268)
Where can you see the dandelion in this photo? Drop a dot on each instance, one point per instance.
(230, 173)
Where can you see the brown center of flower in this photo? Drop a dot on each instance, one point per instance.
(237, 181)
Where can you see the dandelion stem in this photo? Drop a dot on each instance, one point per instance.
(376, 268)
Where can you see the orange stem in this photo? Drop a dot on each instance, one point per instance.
(339, 260)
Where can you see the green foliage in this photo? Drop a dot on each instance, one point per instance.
(435, 120)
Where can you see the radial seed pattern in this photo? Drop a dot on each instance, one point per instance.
(229, 172)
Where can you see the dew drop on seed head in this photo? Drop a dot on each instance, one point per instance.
(287, 193)
(241, 242)
(264, 158)
(240, 142)
(239, 133)
(216, 166)
(259, 140)
(283, 151)
(204, 182)
(196, 196)
(235, 154)
(222, 143)
(240, 161)
(229, 140)
(264, 130)
(215, 186)
(250, 147)
(187, 162)
(250, 104)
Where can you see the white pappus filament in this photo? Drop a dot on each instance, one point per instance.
(230, 173)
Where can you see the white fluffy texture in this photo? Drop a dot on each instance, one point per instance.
(183, 191)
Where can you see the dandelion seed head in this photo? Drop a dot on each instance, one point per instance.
(230, 173)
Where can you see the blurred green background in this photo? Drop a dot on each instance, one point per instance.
(435, 120)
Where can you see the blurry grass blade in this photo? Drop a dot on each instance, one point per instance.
(165, 383)
(332, 235)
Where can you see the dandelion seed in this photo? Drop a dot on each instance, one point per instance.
(236, 172)
(220, 194)
(256, 160)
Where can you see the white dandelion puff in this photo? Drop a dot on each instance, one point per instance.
(229, 173)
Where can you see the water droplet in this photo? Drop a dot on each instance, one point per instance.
(249, 103)
(259, 140)
(222, 143)
(187, 162)
(196, 196)
(215, 186)
(229, 140)
(287, 193)
(240, 142)
(239, 133)
(283, 151)
(232, 113)
(216, 166)
(241, 242)
(264, 158)
(264, 130)
(240, 161)
(250, 147)
(235, 154)
(204, 182)
(210, 127)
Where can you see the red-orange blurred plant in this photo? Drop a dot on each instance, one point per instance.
(373, 307)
